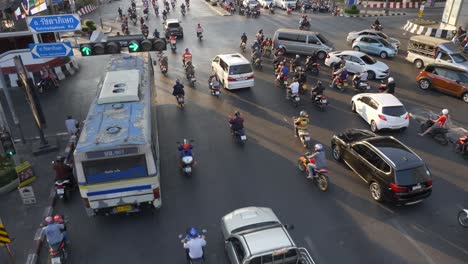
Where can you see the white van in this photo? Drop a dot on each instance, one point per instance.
(284, 3)
(424, 50)
(233, 70)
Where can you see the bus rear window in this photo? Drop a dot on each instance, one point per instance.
(115, 169)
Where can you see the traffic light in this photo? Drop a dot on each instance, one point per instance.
(142, 45)
(99, 48)
(7, 143)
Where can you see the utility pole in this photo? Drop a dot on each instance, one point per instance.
(386, 6)
(10, 107)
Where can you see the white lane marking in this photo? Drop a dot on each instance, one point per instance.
(412, 241)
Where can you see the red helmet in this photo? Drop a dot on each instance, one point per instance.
(186, 147)
(58, 218)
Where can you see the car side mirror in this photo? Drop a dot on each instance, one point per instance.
(289, 227)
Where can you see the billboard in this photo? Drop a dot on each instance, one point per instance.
(29, 7)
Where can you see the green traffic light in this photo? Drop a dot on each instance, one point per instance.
(10, 153)
(86, 50)
(134, 47)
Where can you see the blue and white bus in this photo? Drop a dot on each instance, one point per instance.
(117, 155)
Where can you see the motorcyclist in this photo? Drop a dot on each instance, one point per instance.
(271, 5)
(438, 123)
(260, 36)
(281, 50)
(164, 13)
(340, 75)
(54, 231)
(213, 81)
(293, 89)
(178, 89)
(146, 11)
(71, 125)
(376, 24)
(243, 39)
(301, 122)
(142, 20)
(256, 54)
(390, 86)
(199, 30)
(359, 78)
(317, 90)
(237, 122)
(186, 56)
(185, 150)
(304, 22)
(182, 7)
(120, 12)
(256, 45)
(194, 244)
(62, 170)
(156, 33)
(296, 62)
(320, 160)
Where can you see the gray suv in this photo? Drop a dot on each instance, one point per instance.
(254, 235)
(172, 26)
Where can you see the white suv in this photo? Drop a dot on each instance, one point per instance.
(255, 235)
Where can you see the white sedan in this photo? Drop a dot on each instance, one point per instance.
(357, 61)
(381, 111)
(353, 35)
(250, 3)
(265, 3)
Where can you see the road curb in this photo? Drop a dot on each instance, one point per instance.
(221, 12)
(375, 15)
(427, 31)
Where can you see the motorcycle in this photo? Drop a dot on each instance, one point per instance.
(272, 10)
(145, 15)
(62, 189)
(294, 98)
(199, 35)
(173, 46)
(163, 65)
(360, 86)
(187, 162)
(215, 90)
(242, 46)
(377, 27)
(239, 135)
(45, 84)
(461, 145)
(288, 11)
(173, 5)
(341, 84)
(282, 81)
(304, 136)
(313, 68)
(258, 64)
(320, 101)
(182, 11)
(185, 238)
(145, 32)
(256, 13)
(164, 16)
(304, 26)
(439, 134)
(134, 21)
(321, 178)
(463, 217)
(191, 78)
(181, 100)
(58, 253)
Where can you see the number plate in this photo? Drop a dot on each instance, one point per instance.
(324, 101)
(194, 80)
(306, 138)
(180, 99)
(123, 208)
(60, 191)
(417, 187)
(188, 169)
(286, 82)
(55, 260)
(217, 92)
(243, 137)
(297, 98)
(242, 79)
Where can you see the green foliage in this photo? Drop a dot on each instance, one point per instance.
(353, 10)
(82, 3)
(7, 171)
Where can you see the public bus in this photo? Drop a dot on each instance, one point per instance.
(117, 155)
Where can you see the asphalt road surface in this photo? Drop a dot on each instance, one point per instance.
(342, 225)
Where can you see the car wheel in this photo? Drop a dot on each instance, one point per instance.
(356, 48)
(383, 55)
(373, 126)
(336, 152)
(465, 97)
(353, 107)
(371, 75)
(321, 55)
(424, 84)
(419, 64)
(375, 191)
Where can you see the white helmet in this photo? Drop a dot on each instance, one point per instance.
(297, 56)
(390, 79)
(318, 147)
(445, 111)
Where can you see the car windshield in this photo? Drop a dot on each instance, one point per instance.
(458, 58)
(240, 69)
(382, 35)
(368, 60)
(394, 110)
(173, 25)
(412, 176)
(322, 38)
(254, 226)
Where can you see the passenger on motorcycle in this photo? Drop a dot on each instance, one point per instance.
(281, 50)
(54, 232)
(256, 54)
(320, 160)
(438, 123)
(340, 75)
(185, 150)
(260, 36)
(267, 45)
(194, 244)
(62, 170)
(283, 71)
(293, 89)
(178, 89)
(301, 122)
(213, 81)
(237, 122)
(186, 56)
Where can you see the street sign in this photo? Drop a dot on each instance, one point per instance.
(51, 50)
(4, 238)
(27, 195)
(25, 173)
(42, 24)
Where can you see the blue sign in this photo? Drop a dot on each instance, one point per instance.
(41, 24)
(51, 50)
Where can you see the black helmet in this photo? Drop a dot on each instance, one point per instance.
(60, 159)
(237, 113)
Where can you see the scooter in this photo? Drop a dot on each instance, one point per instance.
(215, 90)
(239, 135)
(294, 98)
(258, 64)
(62, 189)
(199, 35)
(304, 136)
(173, 46)
(461, 145)
(360, 86)
(439, 134)
(163, 65)
(187, 162)
(185, 238)
(320, 101)
(182, 11)
(272, 10)
(58, 253)
(191, 78)
(181, 100)
(242, 46)
(256, 13)
(313, 68)
(463, 217)
(321, 178)
(304, 26)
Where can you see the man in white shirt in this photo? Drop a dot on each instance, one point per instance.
(72, 125)
(195, 247)
(293, 89)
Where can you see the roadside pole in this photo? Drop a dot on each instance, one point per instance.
(12, 110)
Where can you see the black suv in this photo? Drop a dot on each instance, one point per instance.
(392, 171)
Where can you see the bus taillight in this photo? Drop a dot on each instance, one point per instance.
(86, 202)
(157, 193)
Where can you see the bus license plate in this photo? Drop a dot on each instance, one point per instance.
(123, 208)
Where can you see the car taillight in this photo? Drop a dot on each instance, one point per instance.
(407, 116)
(250, 77)
(157, 193)
(230, 79)
(382, 117)
(328, 56)
(86, 202)
(397, 189)
(428, 183)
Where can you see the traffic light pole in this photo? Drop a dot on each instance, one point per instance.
(10, 107)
